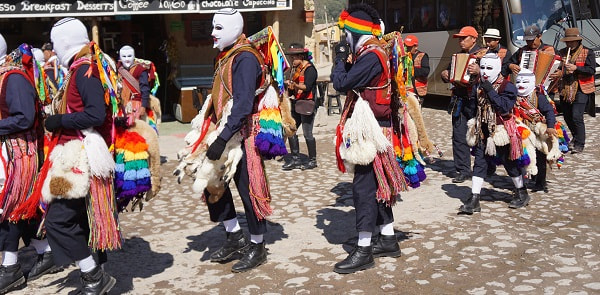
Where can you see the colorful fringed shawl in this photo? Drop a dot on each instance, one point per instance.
(132, 177)
(21, 170)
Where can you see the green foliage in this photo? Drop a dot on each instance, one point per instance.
(334, 8)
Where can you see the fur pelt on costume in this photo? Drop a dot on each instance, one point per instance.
(362, 136)
(471, 134)
(69, 176)
(151, 137)
(155, 106)
(414, 109)
(208, 174)
(287, 121)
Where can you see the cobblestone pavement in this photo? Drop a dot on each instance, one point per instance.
(552, 246)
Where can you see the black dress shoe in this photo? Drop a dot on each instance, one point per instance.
(96, 282)
(577, 150)
(255, 256)
(235, 244)
(43, 265)
(11, 277)
(460, 178)
(361, 258)
(520, 198)
(386, 246)
(471, 205)
(539, 188)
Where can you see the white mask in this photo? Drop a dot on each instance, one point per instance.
(525, 82)
(349, 39)
(490, 66)
(228, 25)
(127, 55)
(2, 49)
(69, 35)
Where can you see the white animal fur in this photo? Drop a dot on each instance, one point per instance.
(65, 159)
(362, 136)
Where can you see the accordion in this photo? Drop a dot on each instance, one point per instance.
(542, 64)
(458, 67)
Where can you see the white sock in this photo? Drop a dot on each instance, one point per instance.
(364, 238)
(231, 225)
(9, 258)
(387, 229)
(477, 184)
(87, 264)
(518, 181)
(41, 246)
(256, 239)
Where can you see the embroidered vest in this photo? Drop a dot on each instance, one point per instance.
(299, 78)
(586, 82)
(420, 82)
(379, 92)
(222, 89)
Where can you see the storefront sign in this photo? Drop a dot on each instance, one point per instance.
(156, 6)
(38, 8)
(244, 5)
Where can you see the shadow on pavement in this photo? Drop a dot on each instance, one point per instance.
(211, 240)
(339, 228)
(344, 191)
(135, 260)
(444, 166)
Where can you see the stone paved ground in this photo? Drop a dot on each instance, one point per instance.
(552, 246)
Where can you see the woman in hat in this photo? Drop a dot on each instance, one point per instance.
(577, 84)
(301, 87)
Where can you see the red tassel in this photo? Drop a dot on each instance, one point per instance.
(28, 209)
(338, 143)
(202, 134)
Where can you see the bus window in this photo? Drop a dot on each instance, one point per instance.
(544, 14)
(422, 15)
(452, 14)
(396, 16)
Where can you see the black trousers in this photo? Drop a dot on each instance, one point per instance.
(67, 229)
(573, 113)
(460, 148)
(369, 212)
(481, 162)
(224, 209)
(540, 158)
(11, 232)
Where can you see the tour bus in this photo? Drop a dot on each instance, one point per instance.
(435, 21)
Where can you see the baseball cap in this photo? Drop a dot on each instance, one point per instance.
(411, 40)
(531, 32)
(466, 31)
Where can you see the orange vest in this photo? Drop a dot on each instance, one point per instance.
(586, 82)
(420, 82)
(300, 79)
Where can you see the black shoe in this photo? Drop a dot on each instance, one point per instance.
(460, 178)
(386, 246)
(96, 282)
(295, 163)
(11, 277)
(539, 188)
(255, 256)
(236, 242)
(471, 205)
(577, 150)
(361, 258)
(520, 198)
(43, 265)
(312, 164)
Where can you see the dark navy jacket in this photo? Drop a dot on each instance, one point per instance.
(20, 100)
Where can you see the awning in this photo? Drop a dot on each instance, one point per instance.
(37, 8)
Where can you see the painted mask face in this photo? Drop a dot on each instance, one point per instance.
(525, 82)
(490, 67)
(127, 55)
(228, 25)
